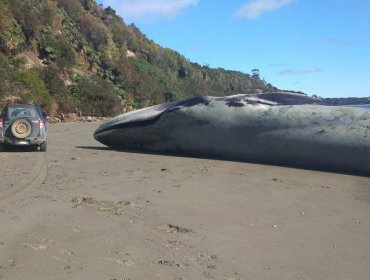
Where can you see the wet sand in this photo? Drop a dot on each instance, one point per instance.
(83, 211)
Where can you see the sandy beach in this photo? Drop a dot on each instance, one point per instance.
(84, 211)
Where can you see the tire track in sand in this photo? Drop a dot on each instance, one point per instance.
(28, 183)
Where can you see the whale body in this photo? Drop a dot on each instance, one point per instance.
(251, 128)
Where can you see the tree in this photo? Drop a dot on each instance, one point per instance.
(56, 87)
(32, 89)
(96, 97)
(94, 30)
(31, 15)
(73, 7)
(5, 72)
(256, 74)
(88, 4)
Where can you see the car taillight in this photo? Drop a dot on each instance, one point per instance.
(41, 124)
(1, 123)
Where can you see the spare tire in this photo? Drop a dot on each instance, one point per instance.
(21, 128)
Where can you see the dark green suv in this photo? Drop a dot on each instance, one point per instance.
(23, 125)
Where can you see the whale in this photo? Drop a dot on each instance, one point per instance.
(286, 130)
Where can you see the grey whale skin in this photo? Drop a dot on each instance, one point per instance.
(251, 128)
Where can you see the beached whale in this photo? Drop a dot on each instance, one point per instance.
(252, 128)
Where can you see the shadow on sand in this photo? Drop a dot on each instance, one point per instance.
(21, 149)
(95, 148)
(182, 155)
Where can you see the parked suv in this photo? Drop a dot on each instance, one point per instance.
(23, 125)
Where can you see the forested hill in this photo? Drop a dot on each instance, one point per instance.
(68, 54)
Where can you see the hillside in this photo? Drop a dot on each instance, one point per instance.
(345, 101)
(68, 54)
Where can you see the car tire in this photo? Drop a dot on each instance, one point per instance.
(43, 147)
(2, 147)
(21, 128)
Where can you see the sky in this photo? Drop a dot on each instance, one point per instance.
(320, 47)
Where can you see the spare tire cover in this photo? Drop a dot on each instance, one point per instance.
(21, 128)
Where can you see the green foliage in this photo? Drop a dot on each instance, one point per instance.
(145, 84)
(73, 7)
(94, 31)
(96, 97)
(71, 27)
(57, 88)
(57, 49)
(65, 56)
(256, 74)
(171, 96)
(8, 68)
(88, 4)
(5, 70)
(110, 54)
(32, 89)
(11, 36)
(111, 65)
(31, 15)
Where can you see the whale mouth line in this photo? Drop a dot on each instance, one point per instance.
(160, 109)
(140, 123)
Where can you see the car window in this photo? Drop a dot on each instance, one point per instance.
(16, 113)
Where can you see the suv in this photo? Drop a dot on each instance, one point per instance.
(23, 125)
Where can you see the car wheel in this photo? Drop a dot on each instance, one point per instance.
(43, 147)
(2, 147)
(21, 128)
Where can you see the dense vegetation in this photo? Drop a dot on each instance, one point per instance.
(345, 101)
(68, 54)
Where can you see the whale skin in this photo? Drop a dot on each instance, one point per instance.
(250, 128)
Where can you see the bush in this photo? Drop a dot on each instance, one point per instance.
(8, 66)
(94, 30)
(57, 49)
(73, 7)
(32, 89)
(96, 97)
(31, 15)
(57, 88)
(11, 36)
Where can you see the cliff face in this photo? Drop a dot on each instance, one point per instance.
(68, 54)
